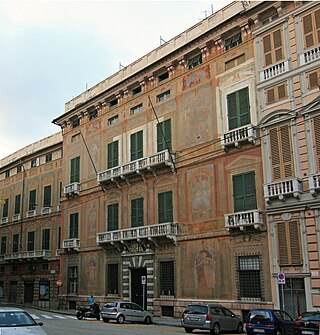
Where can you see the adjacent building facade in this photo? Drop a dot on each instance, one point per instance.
(192, 174)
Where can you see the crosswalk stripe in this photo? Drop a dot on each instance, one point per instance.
(47, 316)
(36, 317)
(71, 317)
(59, 316)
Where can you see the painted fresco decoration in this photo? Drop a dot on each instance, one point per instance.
(92, 219)
(196, 78)
(204, 265)
(91, 272)
(93, 126)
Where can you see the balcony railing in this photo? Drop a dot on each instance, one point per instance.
(238, 135)
(282, 189)
(72, 189)
(4, 220)
(71, 244)
(31, 213)
(252, 218)
(309, 55)
(168, 230)
(314, 184)
(16, 217)
(274, 70)
(35, 254)
(45, 210)
(145, 163)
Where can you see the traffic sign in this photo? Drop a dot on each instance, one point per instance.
(281, 278)
(59, 282)
(143, 280)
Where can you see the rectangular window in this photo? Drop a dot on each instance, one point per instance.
(113, 279)
(92, 114)
(19, 168)
(316, 132)
(163, 96)
(244, 192)
(113, 103)
(47, 196)
(15, 243)
(164, 135)
(3, 245)
(30, 246)
(276, 94)
(113, 154)
(137, 213)
(165, 207)
(238, 108)
(281, 152)
(73, 280)
(7, 174)
(232, 41)
(289, 243)
(35, 162)
(272, 48)
(194, 61)
(5, 209)
(48, 157)
(313, 80)
(113, 217)
(136, 90)
(113, 120)
(136, 147)
(311, 29)
(74, 225)
(235, 62)
(136, 109)
(32, 200)
(46, 239)
(75, 170)
(75, 123)
(167, 278)
(163, 76)
(249, 277)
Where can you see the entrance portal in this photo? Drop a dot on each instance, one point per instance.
(137, 287)
(13, 291)
(28, 292)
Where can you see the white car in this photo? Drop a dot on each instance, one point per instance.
(16, 321)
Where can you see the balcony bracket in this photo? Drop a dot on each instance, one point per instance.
(117, 246)
(154, 172)
(141, 174)
(125, 179)
(115, 180)
(154, 241)
(173, 238)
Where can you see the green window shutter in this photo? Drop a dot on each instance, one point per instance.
(5, 209)
(136, 145)
(32, 200)
(244, 106)
(238, 193)
(137, 212)
(17, 204)
(46, 239)
(165, 207)
(15, 243)
(113, 154)
(244, 192)
(164, 135)
(74, 225)
(30, 241)
(250, 188)
(113, 217)
(232, 110)
(47, 196)
(75, 170)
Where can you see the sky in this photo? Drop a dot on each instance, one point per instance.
(52, 51)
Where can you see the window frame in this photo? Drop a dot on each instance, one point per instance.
(112, 279)
(165, 207)
(137, 212)
(164, 130)
(167, 278)
(74, 225)
(75, 170)
(136, 145)
(113, 217)
(238, 108)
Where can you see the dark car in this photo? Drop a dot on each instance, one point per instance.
(270, 321)
(212, 317)
(308, 323)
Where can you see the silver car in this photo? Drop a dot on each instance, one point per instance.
(122, 311)
(212, 317)
(16, 321)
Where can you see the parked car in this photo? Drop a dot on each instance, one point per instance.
(308, 323)
(17, 321)
(212, 317)
(122, 311)
(270, 321)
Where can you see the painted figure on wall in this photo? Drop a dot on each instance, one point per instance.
(204, 264)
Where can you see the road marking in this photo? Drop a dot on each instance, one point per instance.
(71, 317)
(36, 317)
(59, 316)
(47, 316)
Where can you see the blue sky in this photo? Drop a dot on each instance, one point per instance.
(50, 51)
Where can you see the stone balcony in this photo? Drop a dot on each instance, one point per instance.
(239, 135)
(4, 220)
(46, 210)
(28, 255)
(274, 70)
(16, 217)
(139, 166)
(142, 235)
(31, 213)
(71, 189)
(242, 220)
(72, 244)
(314, 184)
(282, 189)
(309, 56)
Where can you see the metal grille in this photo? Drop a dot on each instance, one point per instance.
(249, 277)
(113, 283)
(167, 278)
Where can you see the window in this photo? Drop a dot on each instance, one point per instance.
(289, 243)
(73, 280)
(269, 15)
(137, 213)
(113, 154)
(113, 279)
(17, 204)
(113, 217)
(313, 79)
(5, 209)
(164, 135)
(272, 48)
(163, 96)
(136, 109)
(46, 239)
(194, 61)
(7, 174)
(163, 76)
(232, 41)
(19, 168)
(75, 170)
(3, 250)
(136, 90)
(32, 200)
(167, 278)
(113, 103)
(235, 62)
(47, 196)
(311, 28)
(276, 94)
(244, 192)
(165, 208)
(136, 147)
(238, 108)
(249, 277)
(316, 132)
(30, 242)
(113, 120)
(281, 152)
(35, 162)
(49, 157)
(15, 243)
(74, 225)
(75, 123)
(92, 114)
